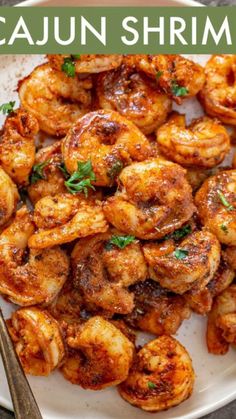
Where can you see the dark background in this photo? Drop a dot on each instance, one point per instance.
(229, 411)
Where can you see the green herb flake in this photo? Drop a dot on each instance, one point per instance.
(159, 74)
(119, 241)
(224, 201)
(76, 57)
(224, 228)
(151, 385)
(38, 172)
(7, 108)
(180, 253)
(179, 234)
(68, 67)
(80, 180)
(115, 169)
(178, 90)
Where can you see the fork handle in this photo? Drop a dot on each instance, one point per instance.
(25, 406)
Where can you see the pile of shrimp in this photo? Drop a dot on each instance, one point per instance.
(125, 221)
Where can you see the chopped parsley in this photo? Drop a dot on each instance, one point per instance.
(178, 90)
(38, 172)
(179, 234)
(224, 228)
(68, 65)
(151, 385)
(7, 108)
(115, 169)
(224, 201)
(80, 180)
(119, 241)
(180, 253)
(159, 74)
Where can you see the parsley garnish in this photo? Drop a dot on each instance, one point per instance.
(37, 172)
(68, 65)
(7, 108)
(179, 234)
(63, 169)
(159, 74)
(180, 253)
(151, 385)
(178, 90)
(115, 169)
(80, 180)
(224, 228)
(224, 201)
(119, 241)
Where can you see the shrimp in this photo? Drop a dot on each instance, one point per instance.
(196, 176)
(37, 340)
(201, 300)
(109, 140)
(53, 182)
(102, 271)
(204, 143)
(176, 75)
(156, 310)
(218, 95)
(221, 326)
(8, 197)
(87, 63)
(99, 355)
(134, 96)
(17, 145)
(230, 256)
(56, 100)
(64, 218)
(192, 263)
(216, 204)
(155, 199)
(39, 279)
(161, 376)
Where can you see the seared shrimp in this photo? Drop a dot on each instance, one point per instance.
(8, 197)
(64, 218)
(99, 355)
(134, 96)
(102, 271)
(109, 140)
(17, 145)
(192, 263)
(176, 75)
(204, 143)
(87, 63)
(53, 181)
(161, 377)
(56, 100)
(39, 279)
(221, 327)
(156, 310)
(216, 203)
(218, 95)
(230, 256)
(155, 199)
(37, 340)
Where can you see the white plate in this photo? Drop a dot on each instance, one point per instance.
(58, 399)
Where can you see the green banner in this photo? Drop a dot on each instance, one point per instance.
(75, 30)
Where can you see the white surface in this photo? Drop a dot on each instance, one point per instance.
(58, 399)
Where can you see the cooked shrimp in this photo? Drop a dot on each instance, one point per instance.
(205, 142)
(39, 279)
(37, 340)
(201, 300)
(102, 271)
(156, 310)
(155, 199)
(196, 176)
(99, 355)
(109, 140)
(134, 96)
(161, 377)
(64, 218)
(192, 263)
(87, 63)
(218, 95)
(17, 145)
(221, 327)
(230, 256)
(176, 75)
(8, 197)
(54, 181)
(56, 100)
(216, 204)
